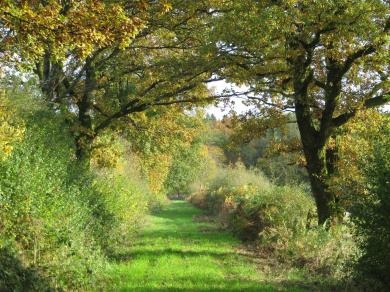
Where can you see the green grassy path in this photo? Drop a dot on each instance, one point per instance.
(176, 253)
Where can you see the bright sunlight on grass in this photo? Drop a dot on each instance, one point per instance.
(177, 253)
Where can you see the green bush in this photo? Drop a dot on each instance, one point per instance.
(256, 211)
(317, 249)
(371, 215)
(58, 221)
(281, 220)
(49, 214)
(127, 199)
(229, 177)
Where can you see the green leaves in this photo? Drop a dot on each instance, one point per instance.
(61, 27)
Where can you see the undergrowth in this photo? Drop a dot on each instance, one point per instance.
(60, 223)
(280, 221)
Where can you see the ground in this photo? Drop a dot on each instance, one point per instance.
(179, 252)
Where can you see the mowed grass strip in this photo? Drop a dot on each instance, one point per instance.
(176, 253)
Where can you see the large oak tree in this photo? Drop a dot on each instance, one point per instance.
(323, 60)
(106, 60)
(167, 62)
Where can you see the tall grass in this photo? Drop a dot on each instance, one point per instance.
(280, 220)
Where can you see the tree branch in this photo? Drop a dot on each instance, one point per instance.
(365, 51)
(368, 103)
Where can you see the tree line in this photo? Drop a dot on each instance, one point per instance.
(101, 62)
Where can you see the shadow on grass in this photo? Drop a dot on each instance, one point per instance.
(167, 252)
(174, 234)
(246, 285)
(236, 285)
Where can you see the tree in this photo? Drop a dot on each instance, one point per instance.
(190, 161)
(325, 61)
(30, 29)
(168, 62)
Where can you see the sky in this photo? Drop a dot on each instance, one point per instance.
(221, 110)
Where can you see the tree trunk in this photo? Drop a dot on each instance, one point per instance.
(320, 162)
(83, 149)
(85, 133)
(320, 166)
(324, 198)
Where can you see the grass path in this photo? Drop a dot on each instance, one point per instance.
(176, 253)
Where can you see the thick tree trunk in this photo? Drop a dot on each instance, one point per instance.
(85, 136)
(320, 163)
(324, 198)
(320, 166)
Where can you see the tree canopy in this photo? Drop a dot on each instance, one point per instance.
(101, 62)
(323, 60)
(167, 60)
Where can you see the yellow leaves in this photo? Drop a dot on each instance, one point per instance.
(107, 151)
(82, 26)
(157, 171)
(354, 146)
(11, 130)
(167, 7)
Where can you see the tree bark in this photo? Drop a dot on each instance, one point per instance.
(85, 134)
(319, 174)
(319, 163)
(314, 134)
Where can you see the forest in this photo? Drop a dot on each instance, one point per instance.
(213, 145)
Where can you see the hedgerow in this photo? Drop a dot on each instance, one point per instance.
(59, 222)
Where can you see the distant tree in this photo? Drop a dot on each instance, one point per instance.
(164, 139)
(187, 166)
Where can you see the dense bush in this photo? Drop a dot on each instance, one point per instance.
(127, 198)
(48, 213)
(59, 221)
(371, 215)
(210, 194)
(280, 219)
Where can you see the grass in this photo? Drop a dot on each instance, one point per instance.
(177, 253)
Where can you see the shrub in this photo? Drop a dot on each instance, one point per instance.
(371, 216)
(256, 211)
(213, 192)
(229, 177)
(127, 198)
(49, 215)
(317, 249)
(58, 221)
(279, 219)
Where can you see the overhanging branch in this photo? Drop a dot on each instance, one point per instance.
(369, 103)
